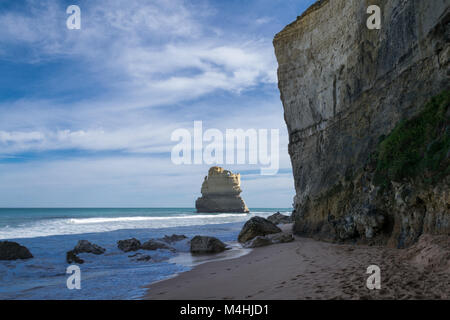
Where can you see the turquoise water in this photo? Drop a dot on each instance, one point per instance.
(50, 233)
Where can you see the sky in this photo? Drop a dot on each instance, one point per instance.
(86, 116)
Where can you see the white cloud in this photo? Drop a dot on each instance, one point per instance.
(142, 47)
(150, 60)
(20, 137)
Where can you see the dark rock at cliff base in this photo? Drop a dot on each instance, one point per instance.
(13, 251)
(279, 218)
(173, 238)
(84, 246)
(221, 193)
(71, 257)
(257, 226)
(259, 241)
(205, 245)
(155, 245)
(262, 241)
(129, 245)
(283, 237)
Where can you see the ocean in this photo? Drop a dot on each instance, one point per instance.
(50, 233)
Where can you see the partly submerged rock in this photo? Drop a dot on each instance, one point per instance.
(153, 244)
(129, 245)
(221, 193)
(173, 238)
(141, 257)
(144, 257)
(13, 251)
(71, 257)
(205, 245)
(279, 218)
(257, 226)
(84, 246)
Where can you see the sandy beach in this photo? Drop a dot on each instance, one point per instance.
(308, 269)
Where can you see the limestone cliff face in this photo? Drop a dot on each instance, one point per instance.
(221, 192)
(344, 86)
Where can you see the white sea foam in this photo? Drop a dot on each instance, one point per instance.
(50, 227)
(119, 219)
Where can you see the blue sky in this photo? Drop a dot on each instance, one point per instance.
(86, 115)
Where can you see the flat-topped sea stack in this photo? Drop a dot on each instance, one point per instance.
(221, 193)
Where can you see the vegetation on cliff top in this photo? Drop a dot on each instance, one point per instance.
(417, 147)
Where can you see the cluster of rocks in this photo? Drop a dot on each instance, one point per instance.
(83, 246)
(151, 245)
(257, 232)
(128, 245)
(133, 245)
(260, 232)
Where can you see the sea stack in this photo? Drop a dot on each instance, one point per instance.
(221, 193)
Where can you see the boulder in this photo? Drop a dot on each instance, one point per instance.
(84, 246)
(205, 245)
(262, 241)
(129, 245)
(155, 245)
(279, 218)
(257, 226)
(141, 257)
(173, 238)
(283, 237)
(12, 251)
(259, 241)
(71, 257)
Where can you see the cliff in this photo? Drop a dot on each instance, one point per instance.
(346, 88)
(221, 191)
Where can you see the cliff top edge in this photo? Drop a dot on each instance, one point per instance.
(314, 7)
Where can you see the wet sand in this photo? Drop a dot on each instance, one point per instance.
(306, 269)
